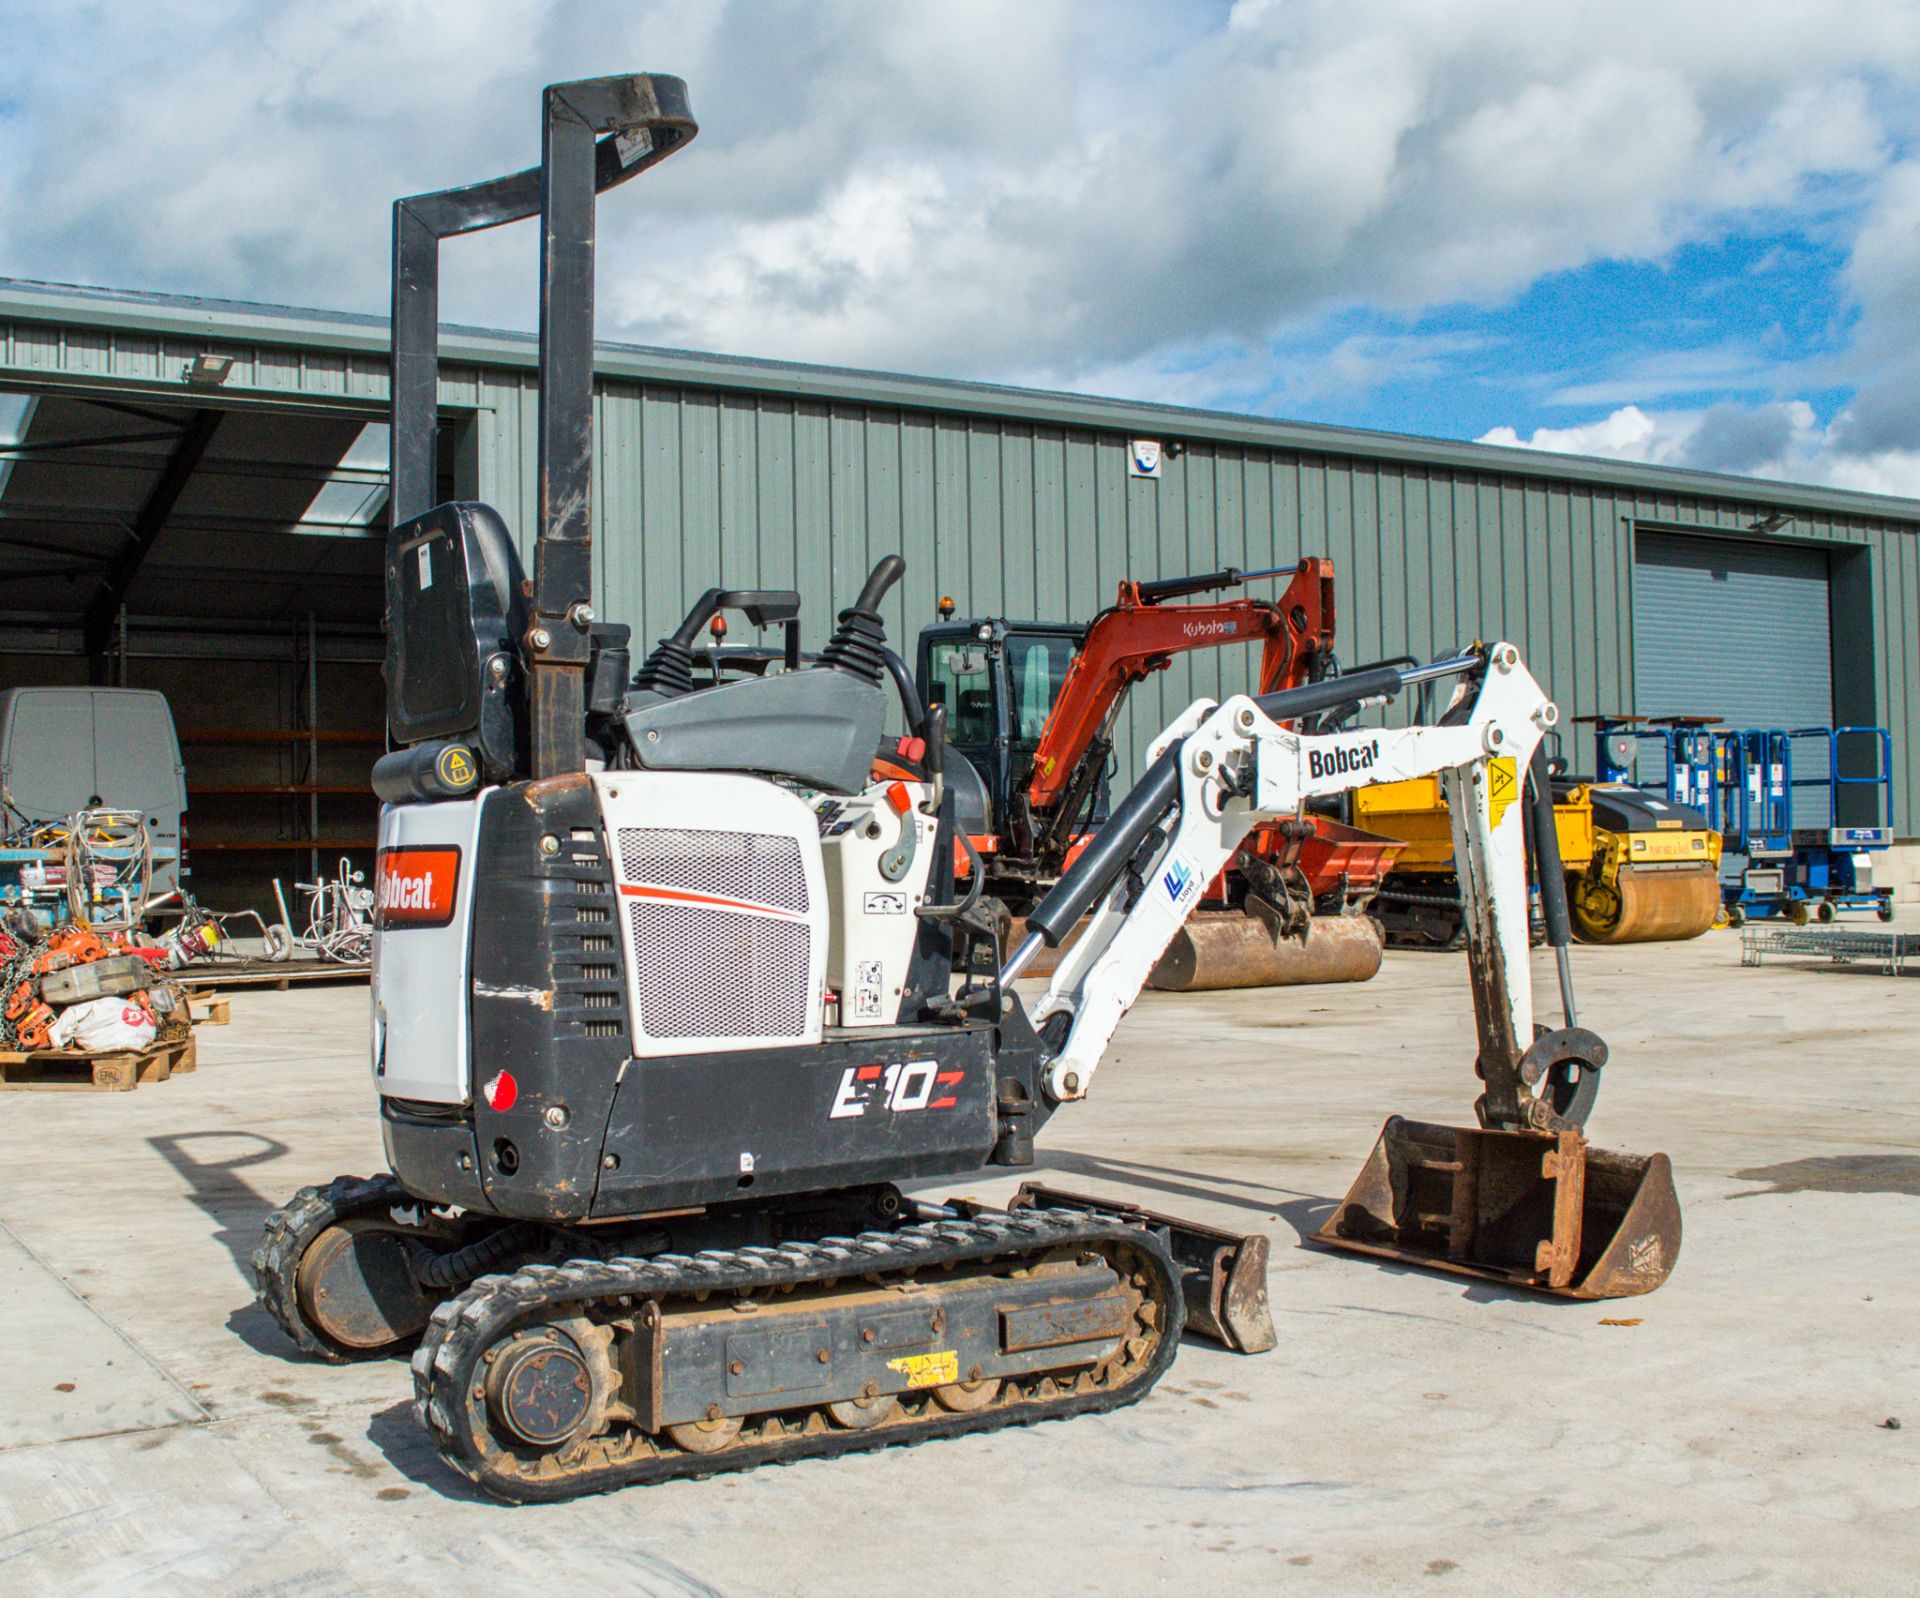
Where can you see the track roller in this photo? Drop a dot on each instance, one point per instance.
(560, 1380)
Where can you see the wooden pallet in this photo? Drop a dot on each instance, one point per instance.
(117, 1071)
(281, 974)
(207, 1009)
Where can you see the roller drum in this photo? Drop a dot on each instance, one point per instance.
(1228, 949)
(1646, 905)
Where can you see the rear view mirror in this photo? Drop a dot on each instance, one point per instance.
(966, 663)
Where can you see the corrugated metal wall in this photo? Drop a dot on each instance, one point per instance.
(699, 487)
(703, 484)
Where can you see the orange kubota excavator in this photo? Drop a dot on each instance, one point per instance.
(1033, 706)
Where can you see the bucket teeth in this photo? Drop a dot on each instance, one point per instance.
(1538, 1210)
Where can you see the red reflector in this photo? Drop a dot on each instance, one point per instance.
(502, 1091)
(899, 797)
(414, 887)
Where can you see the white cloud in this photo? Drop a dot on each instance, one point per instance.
(1782, 440)
(1165, 186)
(1126, 193)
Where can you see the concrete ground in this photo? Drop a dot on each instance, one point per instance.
(1412, 1431)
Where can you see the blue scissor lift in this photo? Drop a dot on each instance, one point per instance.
(1806, 824)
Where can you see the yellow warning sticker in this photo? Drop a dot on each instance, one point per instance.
(928, 1370)
(456, 766)
(1503, 787)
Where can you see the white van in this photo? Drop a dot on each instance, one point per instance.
(68, 749)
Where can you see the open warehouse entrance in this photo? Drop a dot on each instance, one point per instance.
(228, 555)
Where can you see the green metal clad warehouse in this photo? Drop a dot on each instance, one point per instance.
(192, 498)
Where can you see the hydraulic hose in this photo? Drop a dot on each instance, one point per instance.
(460, 1265)
(1544, 840)
(1158, 792)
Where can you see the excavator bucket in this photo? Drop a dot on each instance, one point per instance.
(1538, 1210)
(1230, 949)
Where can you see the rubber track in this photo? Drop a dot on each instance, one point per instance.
(463, 1328)
(290, 1231)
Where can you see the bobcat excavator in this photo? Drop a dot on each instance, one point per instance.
(665, 1004)
(1033, 706)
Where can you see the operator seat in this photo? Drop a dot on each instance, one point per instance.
(456, 612)
(817, 726)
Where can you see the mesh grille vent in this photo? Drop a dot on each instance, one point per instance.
(717, 974)
(736, 865)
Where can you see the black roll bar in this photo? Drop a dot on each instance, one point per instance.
(595, 133)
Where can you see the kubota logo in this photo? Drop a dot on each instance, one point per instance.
(414, 887)
(1209, 629)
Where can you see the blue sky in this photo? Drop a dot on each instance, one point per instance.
(1739, 320)
(1684, 231)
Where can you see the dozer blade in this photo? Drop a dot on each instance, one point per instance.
(1223, 1275)
(1648, 904)
(1227, 949)
(1538, 1210)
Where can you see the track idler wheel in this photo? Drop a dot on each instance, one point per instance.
(355, 1286)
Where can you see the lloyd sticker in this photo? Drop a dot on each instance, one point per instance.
(426, 567)
(866, 990)
(928, 1370)
(1178, 878)
(884, 904)
(898, 1088)
(414, 887)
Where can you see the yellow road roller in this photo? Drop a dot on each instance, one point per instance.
(1639, 869)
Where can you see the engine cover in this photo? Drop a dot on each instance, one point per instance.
(723, 910)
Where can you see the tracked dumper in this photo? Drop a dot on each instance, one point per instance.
(666, 1003)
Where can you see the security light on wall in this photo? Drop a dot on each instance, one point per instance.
(1771, 524)
(208, 371)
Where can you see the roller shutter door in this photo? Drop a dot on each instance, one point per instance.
(1730, 629)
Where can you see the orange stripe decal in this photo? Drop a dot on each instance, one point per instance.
(681, 896)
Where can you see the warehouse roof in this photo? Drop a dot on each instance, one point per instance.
(214, 319)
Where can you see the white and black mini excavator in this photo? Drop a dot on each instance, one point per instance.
(666, 1003)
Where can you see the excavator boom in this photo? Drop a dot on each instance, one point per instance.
(1520, 1199)
(1138, 635)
